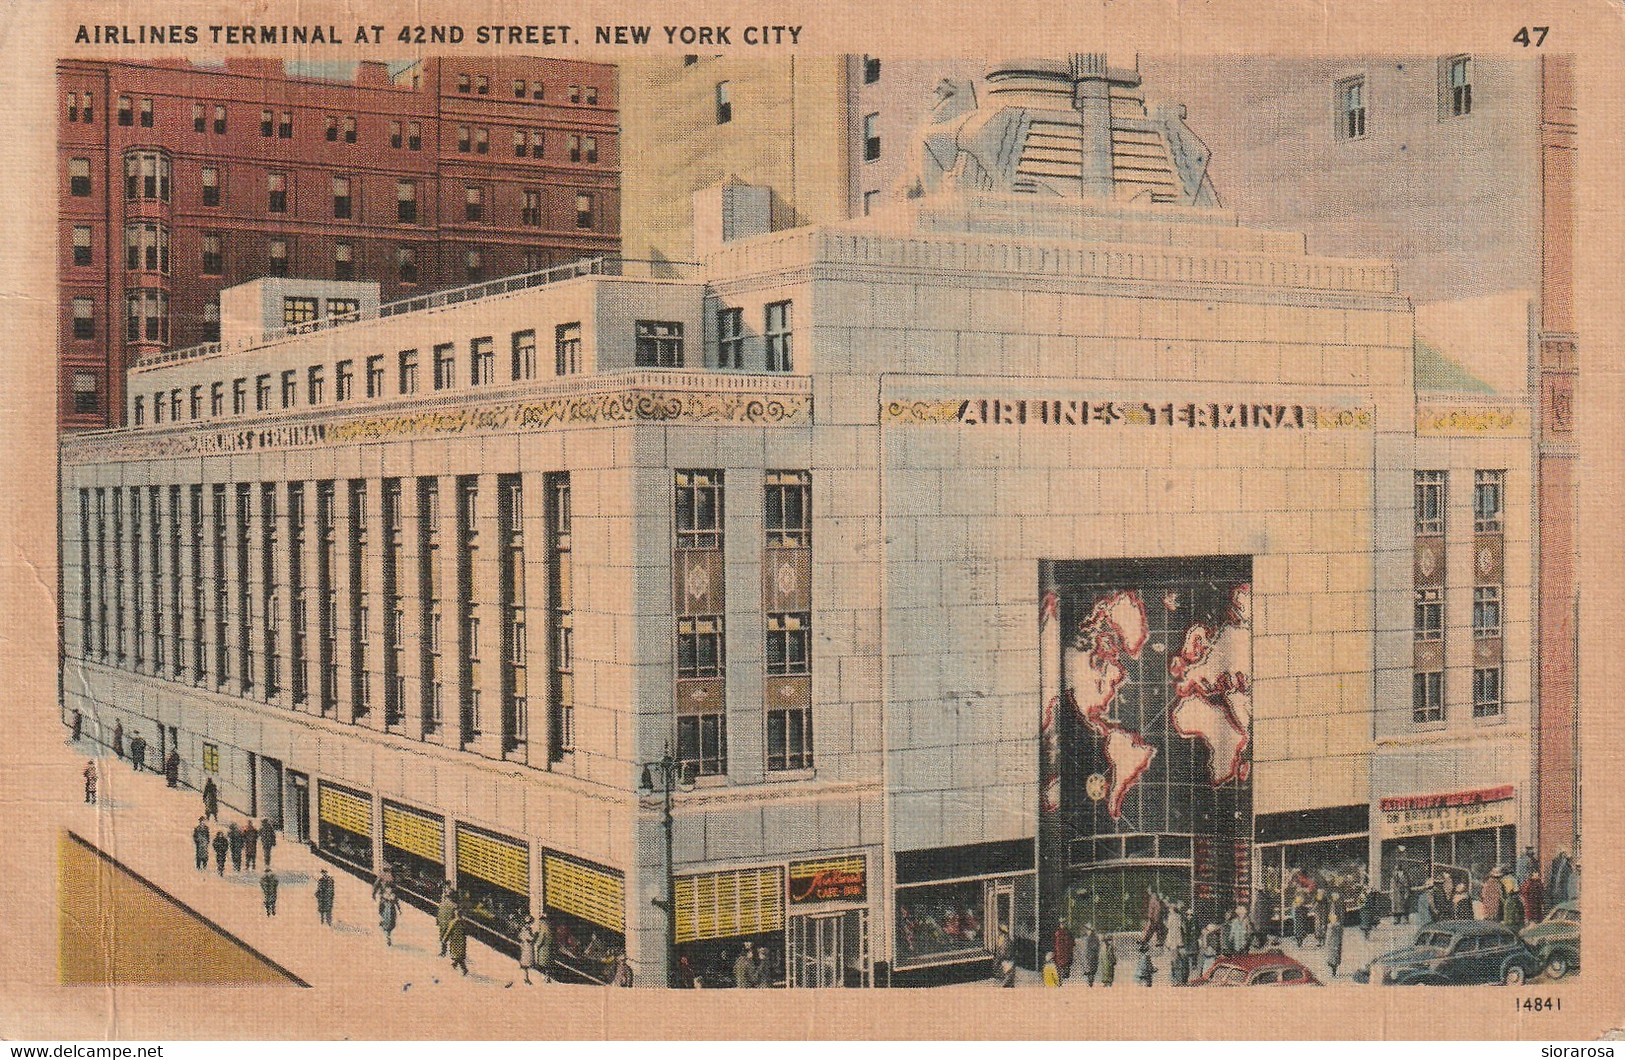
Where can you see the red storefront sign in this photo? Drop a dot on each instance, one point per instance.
(824, 882)
(1459, 798)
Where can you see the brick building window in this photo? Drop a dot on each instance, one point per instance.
(464, 83)
(219, 120)
(473, 266)
(583, 210)
(406, 202)
(79, 177)
(200, 122)
(284, 128)
(395, 134)
(276, 192)
(213, 259)
(530, 210)
(81, 244)
(87, 397)
(126, 111)
(277, 257)
(474, 203)
(349, 130)
(343, 261)
(342, 202)
(406, 264)
(146, 113)
(267, 124)
(84, 318)
(414, 136)
(211, 186)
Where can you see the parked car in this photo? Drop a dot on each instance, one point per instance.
(1456, 953)
(1556, 940)
(1270, 968)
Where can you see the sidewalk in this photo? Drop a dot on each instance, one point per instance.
(148, 826)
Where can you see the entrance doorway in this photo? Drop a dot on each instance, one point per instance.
(270, 786)
(829, 949)
(1001, 912)
(299, 803)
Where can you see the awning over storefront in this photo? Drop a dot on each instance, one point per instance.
(728, 904)
(344, 809)
(593, 894)
(415, 832)
(494, 859)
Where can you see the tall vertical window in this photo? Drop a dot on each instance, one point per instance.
(343, 261)
(1351, 108)
(276, 192)
(344, 381)
(262, 392)
(414, 136)
(146, 113)
(659, 344)
(81, 244)
(482, 362)
(1430, 502)
(1486, 612)
(199, 122)
(530, 209)
(79, 177)
(332, 129)
(213, 260)
(583, 209)
(395, 134)
(219, 119)
(406, 202)
(375, 376)
(1489, 488)
(1429, 615)
(1487, 692)
(146, 175)
(430, 672)
(482, 140)
(567, 349)
(360, 601)
(700, 647)
(394, 605)
(465, 139)
(871, 69)
(284, 128)
(84, 318)
(730, 338)
(511, 543)
(349, 130)
(126, 111)
(217, 398)
(699, 509)
(341, 198)
(277, 257)
(787, 509)
(211, 321)
(210, 182)
(406, 264)
(445, 366)
(776, 335)
(1427, 697)
(239, 396)
(524, 355)
(147, 247)
(474, 203)
(724, 103)
(316, 384)
(871, 137)
(408, 372)
(87, 398)
(1456, 99)
(290, 388)
(267, 124)
(474, 265)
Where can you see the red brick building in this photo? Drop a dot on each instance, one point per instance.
(178, 180)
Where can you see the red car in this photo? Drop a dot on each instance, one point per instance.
(1271, 968)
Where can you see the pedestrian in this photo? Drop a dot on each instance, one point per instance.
(211, 800)
(1258, 919)
(1154, 926)
(1528, 864)
(221, 845)
(1557, 881)
(1145, 971)
(744, 969)
(267, 839)
(527, 948)
(385, 881)
(1399, 893)
(1534, 897)
(138, 752)
(324, 897)
(1319, 915)
(78, 725)
(1108, 961)
(389, 911)
(1422, 895)
(251, 845)
(1006, 955)
(1052, 974)
(200, 840)
(1065, 947)
(1238, 930)
(545, 945)
(686, 977)
(620, 976)
(1334, 939)
(90, 781)
(268, 884)
(234, 836)
(1368, 912)
(118, 738)
(1489, 898)
(1462, 907)
(172, 769)
(457, 941)
(1512, 905)
(1090, 962)
(1176, 928)
(445, 913)
(1179, 969)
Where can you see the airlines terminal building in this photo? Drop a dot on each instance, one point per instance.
(979, 565)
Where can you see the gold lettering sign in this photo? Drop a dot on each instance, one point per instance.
(1079, 412)
(1466, 421)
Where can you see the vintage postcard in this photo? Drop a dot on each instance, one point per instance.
(510, 504)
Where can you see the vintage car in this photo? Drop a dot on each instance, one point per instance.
(1270, 968)
(1456, 953)
(1556, 940)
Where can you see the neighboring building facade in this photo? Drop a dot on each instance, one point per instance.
(974, 580)
(179, 180)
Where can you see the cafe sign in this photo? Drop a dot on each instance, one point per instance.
(828, 880)
(1461, 811)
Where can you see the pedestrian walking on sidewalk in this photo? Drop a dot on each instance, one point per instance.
(1089, 961)
(90, 781)
(118, 738)
(234, 836)
(172, 769)
(267, 839)
(200, 840)
(1108, 961)
(138, 752)
(527, 948)
(268, 885)
(251, 845)
(1334, 938)
(221, 845)
(457, 942)
(544, 949)
(211, 800)
(445, 913)
(324, 896)
(389, 912)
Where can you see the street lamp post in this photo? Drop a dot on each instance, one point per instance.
(670, 773)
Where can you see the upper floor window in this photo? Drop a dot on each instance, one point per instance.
(276, 192)
(146, 175)
(342, 202)
(409, 371)
(659, 344)
(482, 360)
(414, 136)
(583, 210)
(482, 85)
(349, 130)
(518, 89)
(277, 257)
(343, 261)
(567, 349)
(344, 381)
(79, 177)
(445, 366)
(284, 127)
(375, 376)
(1488, 490)
(1486, 612)
(530, 209)
(724, 102)
(81, 244)
(464, 82)
(1456, 95)
(213, 259)
(395, 134)
(126, 111)
(731, 337)
(84, 318)
(199, 121)
(406, 201)
(871, 69)
(524, 355)
(787, 509)
(1430, 501)
(1351, 108)
(211, 186)
(267, 124)
(871, 137)
(776, 335)
(298, 311)
(146, 247)
(146, 113)
(219, 119)
(87, 393)
(698, 509)
(406, 264)
(474, 203)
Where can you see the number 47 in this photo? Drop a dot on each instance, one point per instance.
(1522, 36)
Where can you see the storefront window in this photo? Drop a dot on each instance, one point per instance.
(345, 829)
(1114, 898)
(493, 873)
(1336, 866)
(345, 845)
(941, 922)
(585, 951)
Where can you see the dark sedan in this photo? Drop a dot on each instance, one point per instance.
(1556, 940)
(1456, 953)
